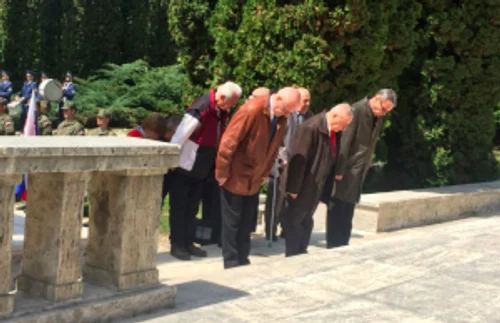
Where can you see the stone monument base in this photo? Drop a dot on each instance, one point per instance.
(97, 304)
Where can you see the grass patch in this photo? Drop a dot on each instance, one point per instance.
(164, 224)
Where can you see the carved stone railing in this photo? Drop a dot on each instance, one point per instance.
(125, 205)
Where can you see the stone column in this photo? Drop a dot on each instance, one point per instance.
(125, 210)
(51, 264)
(7, 200)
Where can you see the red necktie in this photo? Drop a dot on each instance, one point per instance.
(333, 137)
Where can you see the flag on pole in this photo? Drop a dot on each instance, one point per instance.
(30, 129)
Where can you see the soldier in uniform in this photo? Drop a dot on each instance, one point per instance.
(6, 123)
(69, 91)
(25, 95)
(44, 123)
(5, 87)
(102, 118)
(70, 126)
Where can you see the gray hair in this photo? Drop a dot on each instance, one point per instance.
(229, 89)
(389, 94)
(343, 108)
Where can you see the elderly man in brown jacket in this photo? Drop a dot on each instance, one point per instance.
(312, 162)
(354, 161)
(246, 154)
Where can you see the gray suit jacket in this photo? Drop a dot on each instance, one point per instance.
(285, 149)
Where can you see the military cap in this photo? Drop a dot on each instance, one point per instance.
(3, 100)
(32, 73)
(69, 74)
(69, 105)
(5, 73)
(45, 75)
(103, 113)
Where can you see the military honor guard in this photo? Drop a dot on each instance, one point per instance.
(6, 87)
(69, 91)
(6, 123)
(70, 126)
(102, 129)
(25, 95)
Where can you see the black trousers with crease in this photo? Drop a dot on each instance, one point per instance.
(238, 213)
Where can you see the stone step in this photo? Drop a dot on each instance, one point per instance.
(388, 211)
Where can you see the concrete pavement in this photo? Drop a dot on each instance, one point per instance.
(442, 273)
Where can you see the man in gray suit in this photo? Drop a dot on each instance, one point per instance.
(275, 197)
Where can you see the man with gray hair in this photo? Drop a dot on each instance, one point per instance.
(198, 134)
(354, 161)
(312, 161)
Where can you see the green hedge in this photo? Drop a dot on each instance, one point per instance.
(442, 56)
(131, 92)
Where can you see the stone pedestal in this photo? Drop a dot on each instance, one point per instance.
(7, 200)
(125, 210)
(51, 265)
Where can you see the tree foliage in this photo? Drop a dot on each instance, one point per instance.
(440, 55)
(131, 91)
(82, 35)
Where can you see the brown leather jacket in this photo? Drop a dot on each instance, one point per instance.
(245, 156)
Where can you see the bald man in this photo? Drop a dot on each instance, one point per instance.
(311, 165)
(260, 91)
(246, 154)
(275, 201)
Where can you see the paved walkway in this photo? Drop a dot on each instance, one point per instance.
(442, 273)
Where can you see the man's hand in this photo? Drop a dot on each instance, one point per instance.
(339, 177)
(292, 195)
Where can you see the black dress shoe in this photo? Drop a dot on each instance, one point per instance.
(196, 251)
(180, 253)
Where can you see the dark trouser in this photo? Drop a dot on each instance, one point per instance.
(211, 206)
(339, 223)
(185, 196)
(61, 111)
(24, 115)
(238, 214)
(279, 201)
(298, 223)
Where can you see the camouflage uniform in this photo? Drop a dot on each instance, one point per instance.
(102, 113)
(6, 125)
(99, 132)
(44, 125)
(6, 122)
(70, 128)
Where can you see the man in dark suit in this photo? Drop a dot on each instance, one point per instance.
(313, 157)
(354, 161)
(275, 200)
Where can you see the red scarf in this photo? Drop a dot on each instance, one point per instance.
(333, 139)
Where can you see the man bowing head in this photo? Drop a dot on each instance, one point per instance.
(246, 154)
(312, 162)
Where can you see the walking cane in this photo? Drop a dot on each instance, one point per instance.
(273, 206)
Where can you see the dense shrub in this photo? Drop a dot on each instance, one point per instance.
(442, 56)
(130, 92)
